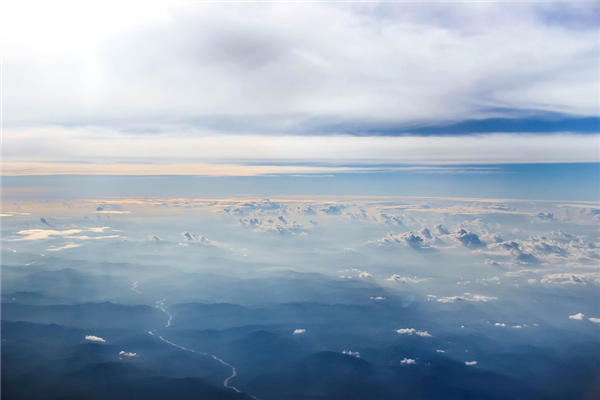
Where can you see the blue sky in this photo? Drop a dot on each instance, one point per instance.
(451, 99)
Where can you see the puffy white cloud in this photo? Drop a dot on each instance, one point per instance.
(470, 362)
(578, 316)
(408, 361)
(466, 297)
(278, 225)
(467, 239)
(93, 338)
(377, 298)
(352, 353)
(299, 331)
(499, 324)
(412, 331)
(127, 354)
(405, 279)
(595, 320)
(566, 279)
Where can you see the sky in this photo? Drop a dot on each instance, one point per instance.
(443, 98)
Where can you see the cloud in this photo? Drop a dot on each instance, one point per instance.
(470, 362)
(408, 361)
(408, 239)
(342, 73)
(352, 353)
(405, 279)
(278, 225)
(333, 209)
(43, 234)
(93, 338)
(65, 247)
(127, 354)
(514, 249)
(411, 331)
(582, 317)
(252, 155)
(467, 239)
(545, 216)
(466, 297)
(499, 324)
(377, 298)
(565, 279)
(200, 239)
(299, 331)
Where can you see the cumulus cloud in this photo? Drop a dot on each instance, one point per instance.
(408, 239)
(333, 209)
(93, 338)
(412, 331)
(578, 316)
(405, 279)
(408, 361)
(278, 225)
(352, 353)
(467, 239)
(377, 298)
(470, 362)
(566, 279)
(299, 331)
(198, 239)
(466, 297)
(500, 324)
(127, 354)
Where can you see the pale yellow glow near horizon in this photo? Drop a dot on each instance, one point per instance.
(44, 169)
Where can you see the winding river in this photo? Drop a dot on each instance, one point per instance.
(161, 306)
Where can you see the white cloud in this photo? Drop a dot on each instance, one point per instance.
(127, 354)
(408, 361)
(405, 279)
(352, 353)
(470, 362)
(299, 331)
(65, 247)
(411, 331)
(578, 316)
(466, 297)
(565, 279)
(499, 324)
(252, 58)
(595, 320)
(93, 338)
